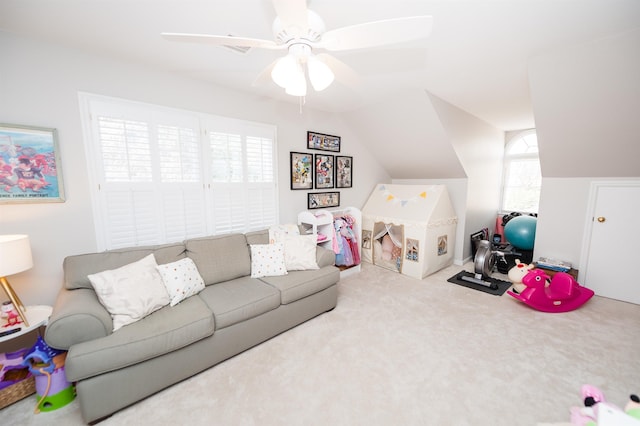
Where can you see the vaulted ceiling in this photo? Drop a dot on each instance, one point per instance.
(476, 57)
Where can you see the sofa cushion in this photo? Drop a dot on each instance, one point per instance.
(220, 258)
(258, 237)
(240, 299)
(299, 284)
(267, 260)
(164, 331)
(300, 252)
(182, 279)
(131, 292)
(280, 232)
(325, 257)
(78, 267)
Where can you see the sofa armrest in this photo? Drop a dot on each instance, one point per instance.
(325, 257)
(77, 317)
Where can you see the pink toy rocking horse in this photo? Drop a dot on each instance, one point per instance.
(563, 294)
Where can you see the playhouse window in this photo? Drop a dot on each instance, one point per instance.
(522, 177)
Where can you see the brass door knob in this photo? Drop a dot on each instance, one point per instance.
(601, 219)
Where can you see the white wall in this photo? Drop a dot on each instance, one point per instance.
(39, 86)
(562, 218)
(586, 100)
(480, 148)
(404, 132)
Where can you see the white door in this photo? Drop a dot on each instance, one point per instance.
(610, 266)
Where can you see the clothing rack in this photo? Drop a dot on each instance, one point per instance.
(322, 223)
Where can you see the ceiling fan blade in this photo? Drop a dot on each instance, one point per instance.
(378, 33)
(343, 72)
(223, 40)
(265, 75)
(293, 15)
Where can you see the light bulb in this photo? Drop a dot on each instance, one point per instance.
(320, 74)
(297, 84)
(284, 70)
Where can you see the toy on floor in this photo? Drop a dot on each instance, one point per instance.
(598, 412)
(563, 293)
(52, 387)
(517, 273)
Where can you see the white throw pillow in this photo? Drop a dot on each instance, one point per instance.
(267, 260)
(277, 233)
(300, 252)
(131, 292)
(182, 279)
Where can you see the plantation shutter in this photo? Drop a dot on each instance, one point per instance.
(158, 180)
(243, 182)
(261, 188)
(181, 184)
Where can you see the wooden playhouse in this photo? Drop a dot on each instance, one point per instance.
(410, 229)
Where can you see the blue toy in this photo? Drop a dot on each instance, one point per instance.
(521, 232)
(52, 387)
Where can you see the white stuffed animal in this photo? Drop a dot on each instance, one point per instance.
(517, 273)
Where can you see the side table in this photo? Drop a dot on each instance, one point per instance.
(37, 316)
(15, 390)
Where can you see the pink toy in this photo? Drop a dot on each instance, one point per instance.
(596, 411)
(587, 415)
(12, 319)
(563, 293)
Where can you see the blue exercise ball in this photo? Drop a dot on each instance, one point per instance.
(521, 232)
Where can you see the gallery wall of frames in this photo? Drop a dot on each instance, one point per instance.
(326, 170)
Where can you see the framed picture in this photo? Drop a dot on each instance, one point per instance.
(344, 171)
(319, 200)
(323, 142)
(324, 171)
(30, 167)
(301, 170)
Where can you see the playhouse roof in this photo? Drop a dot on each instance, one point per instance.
(415, 204)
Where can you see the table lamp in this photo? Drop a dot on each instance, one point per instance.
(15, 257)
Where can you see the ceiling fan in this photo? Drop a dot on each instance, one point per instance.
(302, 33)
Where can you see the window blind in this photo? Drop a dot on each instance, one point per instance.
(163, 175)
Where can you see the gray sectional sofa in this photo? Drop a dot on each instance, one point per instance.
(233, 313)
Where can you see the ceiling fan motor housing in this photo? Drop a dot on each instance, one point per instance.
(294, 33)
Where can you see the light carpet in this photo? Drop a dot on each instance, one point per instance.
(402, 351)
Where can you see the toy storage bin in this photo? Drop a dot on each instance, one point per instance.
(18, 391)
(14, 390)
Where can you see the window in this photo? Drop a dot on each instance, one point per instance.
(522, 178)
(160, 175)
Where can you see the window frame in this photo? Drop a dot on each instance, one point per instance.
(200, 195)
(509, 158)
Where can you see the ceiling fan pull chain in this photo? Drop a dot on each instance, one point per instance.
(302, 100)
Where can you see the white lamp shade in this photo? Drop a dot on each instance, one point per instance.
(297, 84)
(283, 70)
(320, 74)
(15, 254)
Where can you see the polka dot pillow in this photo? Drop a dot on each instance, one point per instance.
(181, 279)
(267, 260)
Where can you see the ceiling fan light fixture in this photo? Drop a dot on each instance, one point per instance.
(297, 83)
(283, 71)
(320, 74)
